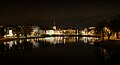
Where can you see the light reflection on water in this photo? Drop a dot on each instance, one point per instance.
(17, 46)
(54, 40)
(47, 42)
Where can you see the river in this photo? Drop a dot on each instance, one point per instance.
(53, 50)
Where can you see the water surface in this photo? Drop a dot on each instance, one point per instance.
(54, 50)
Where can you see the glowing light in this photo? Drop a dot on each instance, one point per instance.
(10, 33)
(35, 30)
(10, 44)
(28, 39)
(51, 40)
(54, 27)
(92, 32)
(50, 32)
(107, 29)
(20, 41)
(15, 42)
(36, 44)
(54, 40)
(85, 39)
(5, 43)
(83, 32)
(89, 39)
(5, 35)
(57, 32)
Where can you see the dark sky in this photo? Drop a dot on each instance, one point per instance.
(74, 14)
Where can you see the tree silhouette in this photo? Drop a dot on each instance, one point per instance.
(108, 32)
(2, 32)
(115, 25)
(17, 31)
(104, 28)
(99, 29)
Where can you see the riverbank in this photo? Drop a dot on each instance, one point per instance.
(6, 39)
(106, 42)
(112, 45)
(110, 50)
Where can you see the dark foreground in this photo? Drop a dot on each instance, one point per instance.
(69, 53)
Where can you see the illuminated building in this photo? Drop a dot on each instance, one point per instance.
(53, 31)
(69, 32)
(49, 32)
(10, 33)
(88, 31)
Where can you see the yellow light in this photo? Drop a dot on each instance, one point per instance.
(57, 32)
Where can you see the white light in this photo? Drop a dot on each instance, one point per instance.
(28, 39)
(10, 44)
(50, 32)
(54, 40)
(10, 33)
(54, 27)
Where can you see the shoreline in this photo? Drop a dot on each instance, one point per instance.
(11, 39)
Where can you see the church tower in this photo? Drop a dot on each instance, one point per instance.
(54, 27)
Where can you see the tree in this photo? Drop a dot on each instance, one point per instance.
(104, 28)
(107, 31)
(115, 25)
(99, 29)
(2, 32)
(36, 31)
(25, 30)
(17, 31)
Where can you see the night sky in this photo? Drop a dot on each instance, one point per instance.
(74, 14)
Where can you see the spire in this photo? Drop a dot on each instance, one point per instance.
(54, 22)
(54, 27)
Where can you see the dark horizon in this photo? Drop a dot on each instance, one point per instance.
(65, 13)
